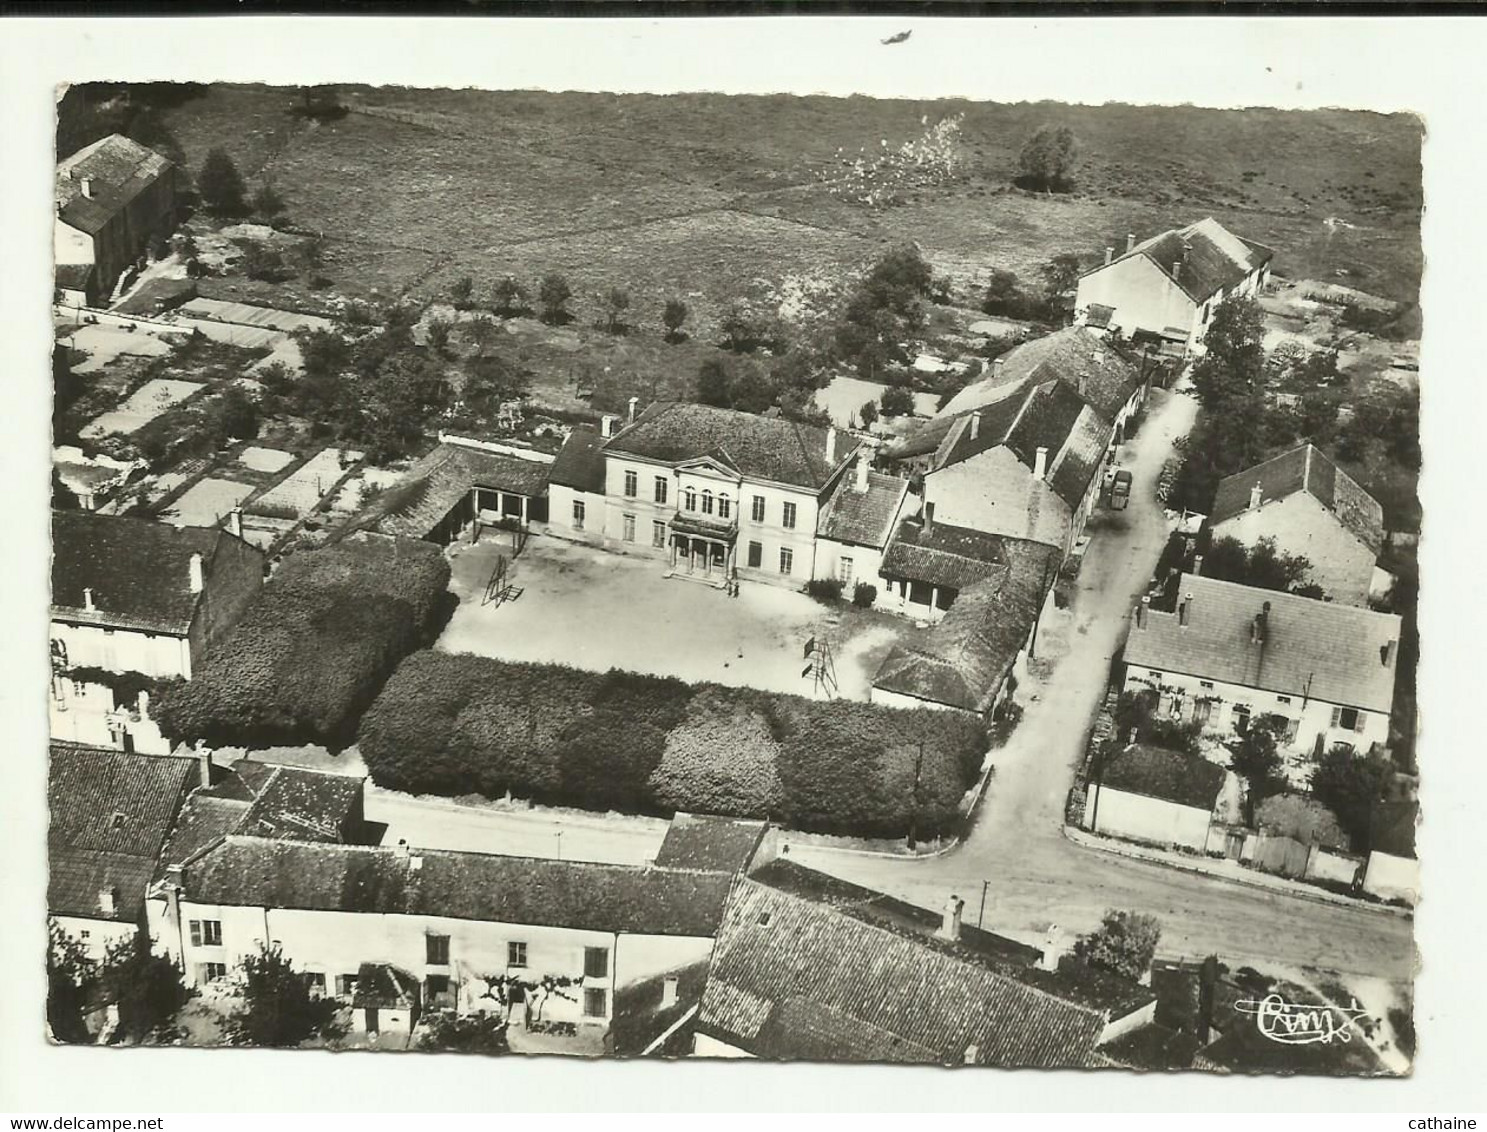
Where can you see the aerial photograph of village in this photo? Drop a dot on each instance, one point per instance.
(734, 576)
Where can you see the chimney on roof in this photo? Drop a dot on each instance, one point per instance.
(1198, 564)
(1098, 356)
(1177, 270)
(87, 187)
(929, 516)
(235, 522)
(1130, 242)
(1040, 463)
(1388, 653)
(1256, 493)
(633, 402)
(860, 483)
(973, 1052)
(1142, 610)
(1054, 942)
(668, 991)
(997, 366)
(108, 900)
(830, 445)
(1259, 629)
(88, 598)
(609, 424)
(401, 848)
(204, 765)
(1083, 381)
(1109, 254)
(975, 424)
(1184, 610)
(198, 582)
(950, 919)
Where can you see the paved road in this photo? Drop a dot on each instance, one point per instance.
(1036, 875)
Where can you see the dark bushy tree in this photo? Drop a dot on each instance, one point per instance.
(144, 985)
(461, 291)
(674, 317)
(472, 1033)
(553, 293)
(1124, 943)
(70, 980)
(1263, 565)
(896, 401)
(1048, 159)
(267, 203)
(1255, 758)
(1351, 785)
(278, 1007)
(221, 185)
(508, 297)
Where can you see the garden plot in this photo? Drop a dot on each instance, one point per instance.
(146, 403)
(297, 495)
(844, 397)
(103, 343)
(265, 459)
(206, 503)
(248, 314)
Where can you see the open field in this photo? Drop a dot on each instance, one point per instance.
(709, 196)
(596, 610)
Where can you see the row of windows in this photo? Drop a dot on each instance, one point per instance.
(658, 530)
(691, 499)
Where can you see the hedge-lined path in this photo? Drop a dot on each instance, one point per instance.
(1037, 876)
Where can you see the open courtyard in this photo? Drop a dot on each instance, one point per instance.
(594, 609)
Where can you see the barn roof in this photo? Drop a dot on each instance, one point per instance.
(117, 168)
(1305, 468)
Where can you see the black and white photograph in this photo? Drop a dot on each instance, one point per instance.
(735, 576)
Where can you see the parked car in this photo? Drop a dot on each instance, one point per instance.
(1120, 490)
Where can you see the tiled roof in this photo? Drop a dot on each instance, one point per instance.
(1073, 467)
(119, 169)
(1074, 356)
(1307, 469)
(966, 657)
(863, 517)
(760, 447)
(261, 873)
(1172, 776)
(703, 841)
(440, 481)
(580, 463)
(111, 812)
(944, 555)
(1312, 648)
(797, 973)
(139, 570)
(1212, 257)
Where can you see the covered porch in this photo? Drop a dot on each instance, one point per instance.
(701, 550)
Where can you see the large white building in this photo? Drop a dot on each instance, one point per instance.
(1230, 656)
(1166, 288)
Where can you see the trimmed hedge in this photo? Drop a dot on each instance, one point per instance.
(455, 724)
(314, 646)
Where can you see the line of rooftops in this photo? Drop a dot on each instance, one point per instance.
(758, 955)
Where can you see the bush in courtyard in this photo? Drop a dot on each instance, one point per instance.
(314, 646)
(825, 589)
(623, 740)
(864, 594)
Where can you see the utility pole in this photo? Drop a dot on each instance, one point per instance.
(981, 915)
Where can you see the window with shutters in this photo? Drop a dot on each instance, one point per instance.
(596, 962)
(436, 950)
(1347, 719)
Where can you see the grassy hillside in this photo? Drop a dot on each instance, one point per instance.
(709, 196)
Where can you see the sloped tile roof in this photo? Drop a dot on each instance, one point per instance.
(293, 802)
(768, 448)
(261, 873)
(384, 987)
(139, 570)
(944, 555)
(1073, 467)
(1074, 356)
(1171, 776)
(1312, 648)
(119, 169)
(1212, 257)
(1304, 468)
(863, 517)
(799, 975)
(439, 481)
(704, 841)
(966, 657)
(111, 812)
(580, 463)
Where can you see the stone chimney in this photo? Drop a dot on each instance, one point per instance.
(88, 599)
(1256, 493)
(973, 1051)
(1388, 653)
(1184, 610)
(198, 581)
(87, 187)
(1130, 242)
(400, 850)
(668, 991)
(1053, 948)
(108, 900)
(975, 424)
(1142, 611)
(1198, 565)
(235, 522)
(1040, 462)
(860, 483)
(830, 445)
(1109, 255)
(929, 516)
(950, 919)
(997, 366)
(609, 424)
(1260, 627)
(204, 766)
(633, 402)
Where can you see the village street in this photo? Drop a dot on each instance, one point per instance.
(1036, 877)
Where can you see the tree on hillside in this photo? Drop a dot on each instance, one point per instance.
(1124, 943)
(508, 297)
(221, 185)
(744, 328)
(437, 334)
(267, 203)
(1048, 159)
(553, 293)
(278, 1008)
(673, 317)
(1255, 758)
(1061, 274)
(1350, 785)
(884, 310)
(461, 290)
(616, 301)
(712, 384)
